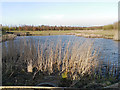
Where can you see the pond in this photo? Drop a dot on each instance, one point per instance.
(50, 60)
(107, 47)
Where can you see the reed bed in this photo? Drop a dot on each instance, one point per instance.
(74, 60)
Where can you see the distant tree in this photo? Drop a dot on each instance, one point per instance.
(44, 28)
(34, 28)
(25, 28)
(5, 28)
(108, 27)
(20, 28)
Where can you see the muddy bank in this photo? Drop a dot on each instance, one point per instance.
(20, 33)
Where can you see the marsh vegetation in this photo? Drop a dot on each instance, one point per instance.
(29, 62)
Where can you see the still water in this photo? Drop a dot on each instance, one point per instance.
(107, 47)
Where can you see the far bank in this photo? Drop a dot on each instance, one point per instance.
(108, 34)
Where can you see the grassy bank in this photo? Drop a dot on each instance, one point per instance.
(84, 33)
(44, 33)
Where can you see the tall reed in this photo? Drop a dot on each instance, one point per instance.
(76, 59)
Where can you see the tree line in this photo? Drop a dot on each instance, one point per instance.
(45, 28)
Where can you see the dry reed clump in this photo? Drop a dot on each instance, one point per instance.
(7, 37)
(76, 59)
(117, 35)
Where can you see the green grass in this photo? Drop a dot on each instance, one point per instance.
(46, 32)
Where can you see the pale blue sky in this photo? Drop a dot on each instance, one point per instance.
(59, 13)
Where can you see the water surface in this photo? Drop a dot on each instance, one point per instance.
(107, 47)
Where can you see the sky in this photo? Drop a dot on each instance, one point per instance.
(59, 13)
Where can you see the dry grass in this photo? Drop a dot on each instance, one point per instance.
(84, 33)
(76, 60)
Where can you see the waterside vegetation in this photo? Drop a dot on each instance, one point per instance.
(78, 64)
